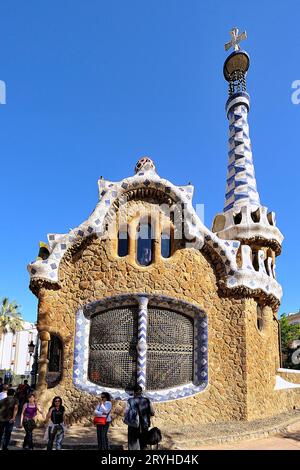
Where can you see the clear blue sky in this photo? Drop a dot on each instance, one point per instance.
(93, 85)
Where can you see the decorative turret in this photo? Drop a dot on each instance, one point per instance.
(241, 183)
(243, 217)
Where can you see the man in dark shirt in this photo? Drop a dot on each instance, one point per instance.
(144, 410)
(8, 413)
(1, 384)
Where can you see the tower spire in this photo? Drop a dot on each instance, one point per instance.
(241, 186)
(243, 217)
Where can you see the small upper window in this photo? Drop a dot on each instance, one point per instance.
(260, 320)
(255, 260)
(123, 243)
(144, 244)
(165, 245)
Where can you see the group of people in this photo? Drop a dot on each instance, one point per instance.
(137, 416)
(138, 413)
(22, 403)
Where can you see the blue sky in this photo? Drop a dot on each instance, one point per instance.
(93, 85)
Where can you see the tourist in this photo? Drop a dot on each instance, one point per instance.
(28, 420)
(56, 426)
(1, 384)
(138, 412)
(102, 420)
(8, 413)
(22, 393)
(3, 394)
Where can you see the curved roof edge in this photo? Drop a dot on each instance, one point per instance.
(110, 195)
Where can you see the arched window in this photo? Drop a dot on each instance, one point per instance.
(255, 216)
(165, 244)
(123, 243)
(55, 358)
(255, 260)
(259, 319)
(144, 244)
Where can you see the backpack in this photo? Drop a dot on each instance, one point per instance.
(132, 417)
(153, 437)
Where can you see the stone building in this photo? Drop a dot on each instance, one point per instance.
(294, 318)
(143, 292)
(14, 354)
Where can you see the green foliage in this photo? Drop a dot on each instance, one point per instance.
(10, 316)
(289, 333)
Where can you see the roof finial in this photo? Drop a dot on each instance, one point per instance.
(235, 39)
(236, 64)
(144, 164)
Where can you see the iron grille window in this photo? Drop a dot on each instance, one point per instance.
(113, 355)
(170, 349)
(113, 348)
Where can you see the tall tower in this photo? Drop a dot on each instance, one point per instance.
(244, 218)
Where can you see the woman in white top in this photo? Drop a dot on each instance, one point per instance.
(103, 409)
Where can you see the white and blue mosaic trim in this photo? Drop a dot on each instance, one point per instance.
(142, 341)
(81, 350)
(109, 193)
(241, 183)
(194, 229)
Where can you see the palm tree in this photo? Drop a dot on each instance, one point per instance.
(10, 317)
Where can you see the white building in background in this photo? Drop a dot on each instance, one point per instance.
(294, 318)
(14, 354)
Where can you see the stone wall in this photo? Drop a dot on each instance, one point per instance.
(94, 271)
(263, 363)
(262, 360)
(290, 375)
(242, 360)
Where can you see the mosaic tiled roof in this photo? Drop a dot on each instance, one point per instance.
(147, 177)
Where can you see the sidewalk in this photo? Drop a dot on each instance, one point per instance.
(280, 432)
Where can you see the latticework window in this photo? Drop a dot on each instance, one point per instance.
(170, 349)
(113, 354)
(113, 348)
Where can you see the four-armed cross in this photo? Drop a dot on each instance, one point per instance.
(235, 39)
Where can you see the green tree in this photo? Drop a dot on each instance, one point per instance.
(289, 333)
(10, 316)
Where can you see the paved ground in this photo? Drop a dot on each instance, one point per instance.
(286, 440)
(285, 430)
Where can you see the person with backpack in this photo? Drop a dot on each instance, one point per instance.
(138, 413)
(102, 420)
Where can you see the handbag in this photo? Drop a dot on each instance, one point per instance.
(100, 420)
(29, 425)
(153, 436)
